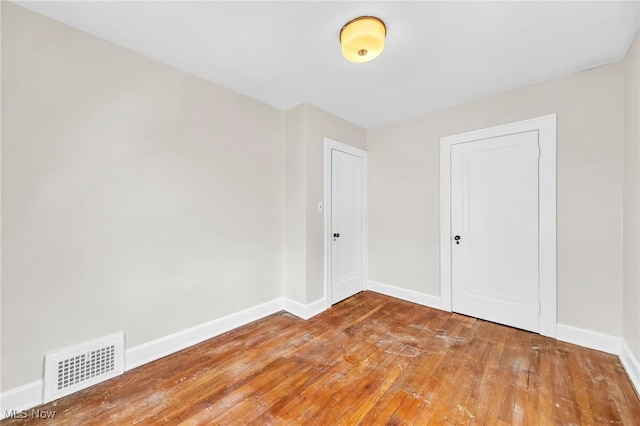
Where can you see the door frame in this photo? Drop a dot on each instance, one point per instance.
(329, 145)
(546, 128)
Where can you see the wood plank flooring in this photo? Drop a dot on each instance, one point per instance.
(371, 359)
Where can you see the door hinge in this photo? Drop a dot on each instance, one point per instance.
(539, 308)
(539, 152)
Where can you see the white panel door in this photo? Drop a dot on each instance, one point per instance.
(494, 224)
(347, 225)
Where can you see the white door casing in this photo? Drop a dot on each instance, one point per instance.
(545, 127)
(494, 222)
(345, 221)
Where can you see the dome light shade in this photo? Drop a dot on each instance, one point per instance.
(362, 39)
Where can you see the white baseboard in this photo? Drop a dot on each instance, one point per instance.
(589, 339)
(404, 294)
(21, 398)
(304, 311)
(631, 364)
(31, 395)
(147, 352)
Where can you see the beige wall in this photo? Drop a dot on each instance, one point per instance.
(135, 197)
(631, 213)
(307, 126)
(404, 191)
(295, 241)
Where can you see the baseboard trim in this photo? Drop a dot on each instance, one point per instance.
(151, 351)
(405, 294)
(589, 339)
(631, 364)
(304, 311)
(21, 398)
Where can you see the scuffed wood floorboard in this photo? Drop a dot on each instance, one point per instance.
(370, 359)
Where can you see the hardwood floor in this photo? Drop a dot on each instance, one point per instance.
(371, 359)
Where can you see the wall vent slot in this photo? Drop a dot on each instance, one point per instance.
(83, 365)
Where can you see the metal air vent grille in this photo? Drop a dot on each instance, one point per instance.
(81, 366)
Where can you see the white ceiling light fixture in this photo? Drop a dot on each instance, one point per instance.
(362, 39)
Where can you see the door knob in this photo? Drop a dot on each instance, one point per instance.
(336, 235)
(457, 238)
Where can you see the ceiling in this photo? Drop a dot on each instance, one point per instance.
(437, 54)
